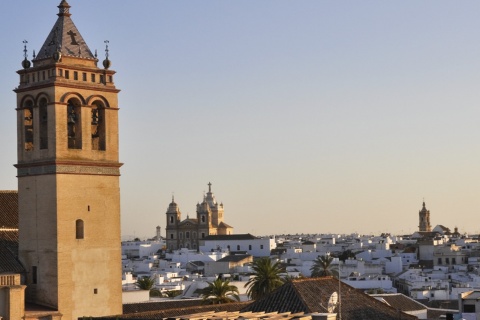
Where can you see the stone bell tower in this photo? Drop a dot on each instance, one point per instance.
(68, 176)
(424, 220)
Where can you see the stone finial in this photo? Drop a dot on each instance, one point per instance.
(64, 9)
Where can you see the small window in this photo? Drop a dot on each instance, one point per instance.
(439, 260)
(79, 229)
(187, 235)
(238, 247)
(261, 246)
(84, 76)
(447, 260)
(249, 247)
(93, 78)
(102, 79)
(203, 235)
(34, 274)
(203, 218)
(75, 75)
(110, 79)
(67, 74)
(95, 291)
(60, 72)
(171, 219)
(171, 235)
(180, 235)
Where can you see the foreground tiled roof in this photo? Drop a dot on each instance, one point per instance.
(400, 301)
(311, 295)
(8, 209)
(246, 236)
(8, 261)
(166, 312)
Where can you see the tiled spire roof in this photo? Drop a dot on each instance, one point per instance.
(65, 37)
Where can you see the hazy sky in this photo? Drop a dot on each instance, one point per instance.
(306, 116)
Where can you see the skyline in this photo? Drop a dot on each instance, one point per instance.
(346, 114)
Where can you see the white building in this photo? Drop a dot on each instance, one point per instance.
(257, 247)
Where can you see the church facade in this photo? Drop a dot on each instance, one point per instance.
(187, 233)
(68, 176)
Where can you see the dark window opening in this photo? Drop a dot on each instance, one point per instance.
(43, 124)
(93, 78)
(74, 124)
(84, 76)
(98, 127)
(28, 125)
(79, 226)
(34, 274)
(75, 75)
(67, 74)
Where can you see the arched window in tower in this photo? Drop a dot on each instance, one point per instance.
(79, 228)
(98, 126)
(28, 125)
(203, 218)
(74, 124)
(171, 219)
(43, 123)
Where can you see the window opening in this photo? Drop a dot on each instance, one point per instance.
(79, 229)
(43, 110)
(28, 125)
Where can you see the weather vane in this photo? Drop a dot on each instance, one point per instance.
(106, 48)
(25, 55)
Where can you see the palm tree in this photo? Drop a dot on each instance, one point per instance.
(323, 267)
(220, 291)
(147, 283)
(266, 279)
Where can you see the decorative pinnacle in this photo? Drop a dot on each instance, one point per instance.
(64, 9)
(25, 63)
(25, 55)
(106, 48)
(106, 62)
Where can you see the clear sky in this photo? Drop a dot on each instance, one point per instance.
(306, 116)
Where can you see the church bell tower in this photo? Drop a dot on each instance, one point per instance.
(68, 176)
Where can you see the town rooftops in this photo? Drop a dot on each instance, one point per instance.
(234, 258)
(218, 237)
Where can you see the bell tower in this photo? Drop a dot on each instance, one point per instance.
(68, 176)
(424, 220)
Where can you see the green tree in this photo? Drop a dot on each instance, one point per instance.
(266, 279)
(322, 267)
(220, 291)
(147, 283)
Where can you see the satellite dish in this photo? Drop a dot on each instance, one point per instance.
(332, 302)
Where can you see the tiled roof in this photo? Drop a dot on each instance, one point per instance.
(312, 294)
(165, 310)
(400, 301)
(8, 209)
(65, 37)
(224, 225)
(247, 236)
(8, 262)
